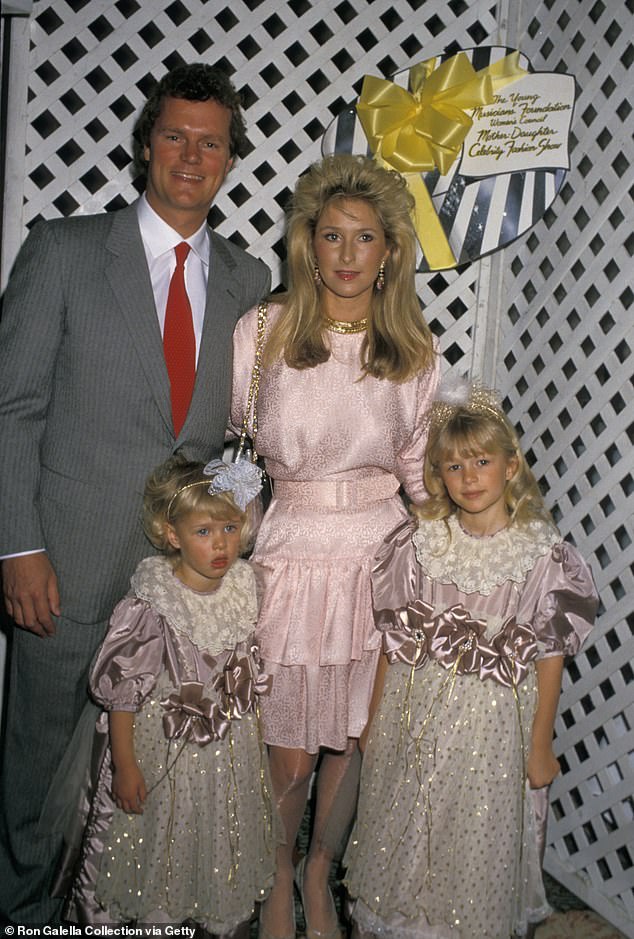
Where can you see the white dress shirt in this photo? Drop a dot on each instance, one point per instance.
(159, 241)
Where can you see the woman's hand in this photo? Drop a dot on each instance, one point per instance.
(128, 789)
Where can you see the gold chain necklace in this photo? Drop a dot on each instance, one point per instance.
(344, 327)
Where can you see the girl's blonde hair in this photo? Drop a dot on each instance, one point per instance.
(469, 432)
(178, 487)
(398, 342)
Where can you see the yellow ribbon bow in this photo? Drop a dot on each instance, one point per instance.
(423, 129)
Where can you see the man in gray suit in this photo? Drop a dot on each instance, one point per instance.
(86, 414)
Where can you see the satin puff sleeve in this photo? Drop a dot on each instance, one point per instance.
(130, 659)
(395, 576)
(560, 600)
(409, 459)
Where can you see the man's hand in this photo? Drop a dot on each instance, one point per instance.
(30, 592)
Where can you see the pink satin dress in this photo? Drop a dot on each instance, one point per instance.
(185, 663)
(448, 837)
(338, 448)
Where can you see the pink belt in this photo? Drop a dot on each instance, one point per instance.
(337, 493)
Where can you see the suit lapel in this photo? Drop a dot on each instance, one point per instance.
(221, 314)
(129, 279)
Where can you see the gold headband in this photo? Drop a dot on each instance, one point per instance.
(462, 395)
(201, 482)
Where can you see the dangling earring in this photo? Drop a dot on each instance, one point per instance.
(380, 280)
(317, 276)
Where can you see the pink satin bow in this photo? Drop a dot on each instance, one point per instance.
(410, 643)
(200, 720)
(456, 641)
(239, 684)
(190, 715)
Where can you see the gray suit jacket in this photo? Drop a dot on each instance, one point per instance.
(84, 397)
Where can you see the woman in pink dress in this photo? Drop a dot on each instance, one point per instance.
(349, 371)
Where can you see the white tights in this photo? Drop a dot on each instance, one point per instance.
(336, 790)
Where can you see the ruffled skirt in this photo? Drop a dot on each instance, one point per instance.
(316, 630)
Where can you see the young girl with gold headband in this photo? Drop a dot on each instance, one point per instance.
(180, 827)
(479, 603)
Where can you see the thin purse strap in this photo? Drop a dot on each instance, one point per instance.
(254, 387)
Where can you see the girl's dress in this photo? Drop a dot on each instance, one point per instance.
(337, 449)
(446, 843)
(203, 849)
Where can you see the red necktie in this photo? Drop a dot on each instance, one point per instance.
(179, 342)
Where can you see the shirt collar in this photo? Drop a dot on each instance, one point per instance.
(159, 238)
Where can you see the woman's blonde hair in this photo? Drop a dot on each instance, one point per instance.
(178, 487)
(469, 432)
(398, 343)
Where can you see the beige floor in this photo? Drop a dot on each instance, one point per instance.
(574, 924)
(577, 924)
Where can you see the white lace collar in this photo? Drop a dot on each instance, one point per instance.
(213, 621)
(479, 565)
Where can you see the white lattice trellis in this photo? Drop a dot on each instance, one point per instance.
(547, 319)
(567, 367)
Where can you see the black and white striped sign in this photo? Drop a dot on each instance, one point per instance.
(481, 213)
